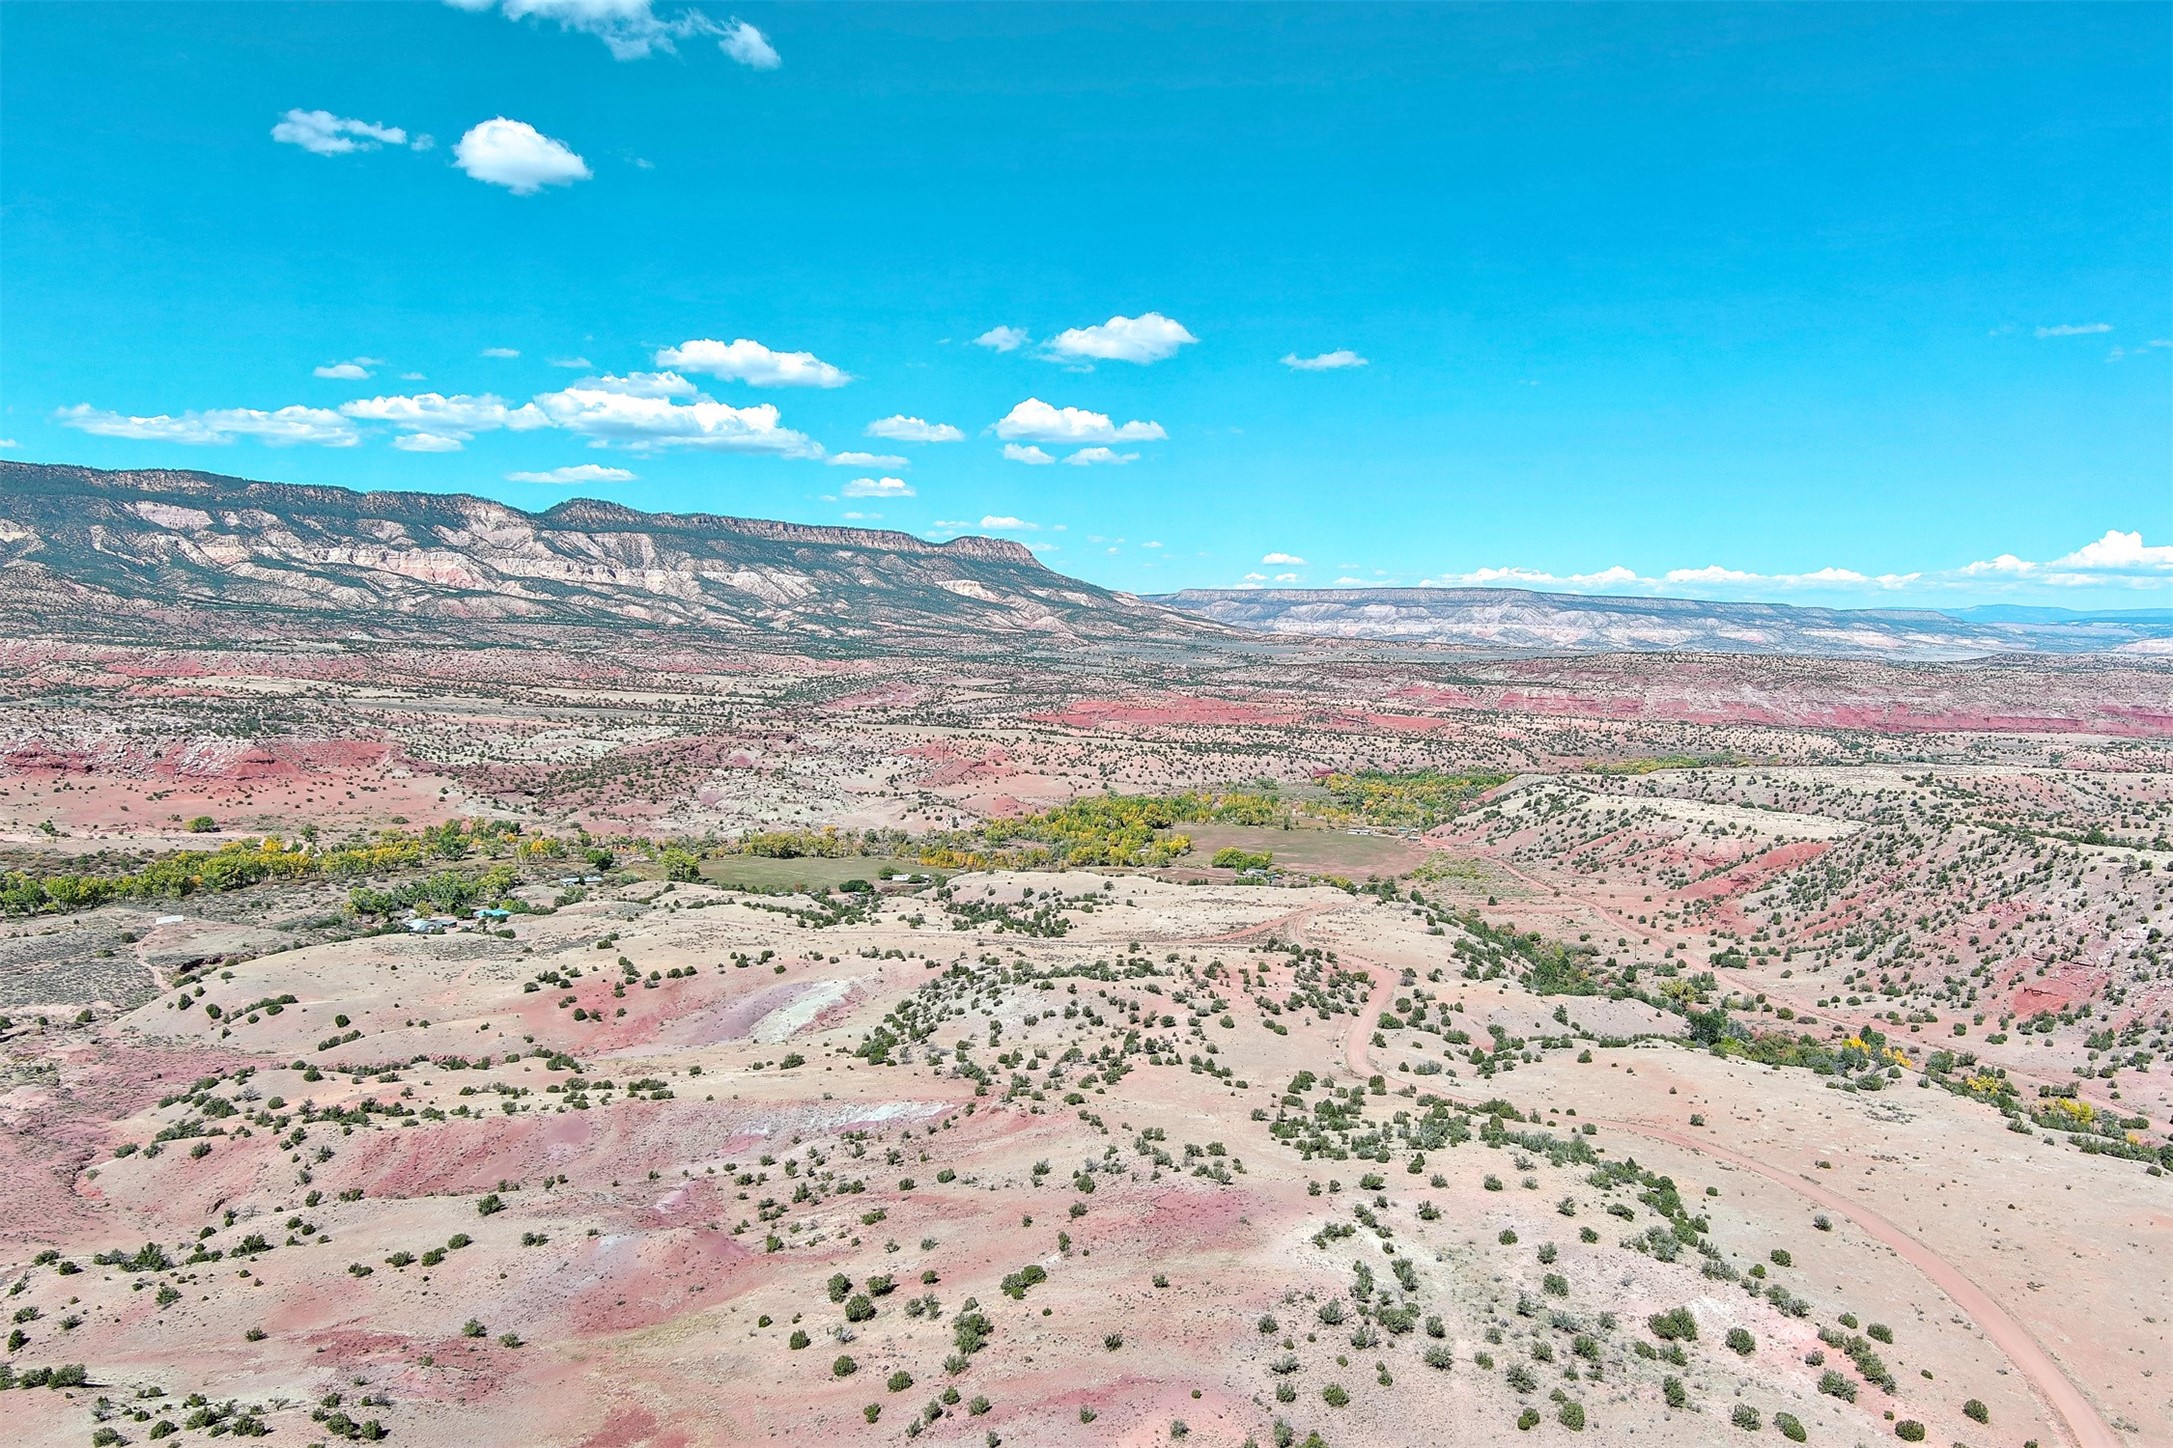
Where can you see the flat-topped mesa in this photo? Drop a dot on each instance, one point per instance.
(1443, 600)
(587, 514)
(1516, 618)
(594, 514)
(160, 552)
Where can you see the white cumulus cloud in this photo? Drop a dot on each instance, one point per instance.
(1282, 558)
(652, 423)
(1003, 339)
(2119, 559)
(900, 428)
(282, 427)
(752, 363)
(325, 134)
(2120, 552)
(1149, 337)
(877, 488)
(1036, 421)
(517, 156)
(867, 460)
(644, 384)
(1340, 358)
(428, 442)
(1088, 457)
(1026, 452)
(1002, 523)
(749, 46)
(577, 473)
(458, 417)
(352, 370)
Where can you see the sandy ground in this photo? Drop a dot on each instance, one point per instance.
(641, 1312)
(661, 1231)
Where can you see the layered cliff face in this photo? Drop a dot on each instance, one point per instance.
(161, 553)
(1514, 618)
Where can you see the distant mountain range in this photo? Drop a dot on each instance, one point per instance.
(1517, 619)
(188, 555)
(183, 557)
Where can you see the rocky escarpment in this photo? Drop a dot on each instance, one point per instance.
(187, 554)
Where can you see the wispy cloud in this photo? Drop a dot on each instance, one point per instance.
(2117, 560)
(1089, 457)
(281, 427)
(352, 370)
(748, 361)
(631, 29)
(577, 473)
(324, 134)
(1149, 337)
(1003, 339)
(1326, 362)
(501, 352)
(749, 46)
(2075, 329)
(1026, 452)
(866, 460)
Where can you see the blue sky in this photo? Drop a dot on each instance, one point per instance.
(1838, 304)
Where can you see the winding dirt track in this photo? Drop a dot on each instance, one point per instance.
(1294, 923)
(2085, 1427)
(2053, 1386)
(1592, 905)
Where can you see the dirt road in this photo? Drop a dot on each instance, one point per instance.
(2051, 1384)
(2085, 1426)
(1294, 923)
(1625, 926)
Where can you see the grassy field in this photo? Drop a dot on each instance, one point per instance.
(1320, 851)
(757, 872)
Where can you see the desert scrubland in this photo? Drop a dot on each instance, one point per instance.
(529, 1033)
